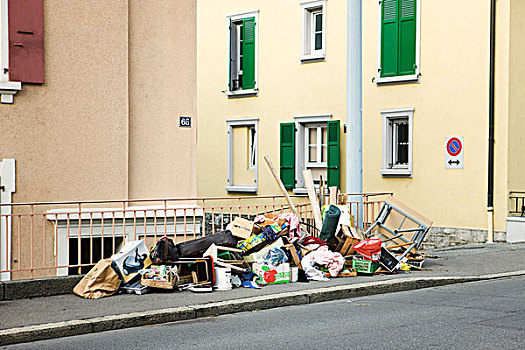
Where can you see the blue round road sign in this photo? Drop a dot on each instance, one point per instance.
(454, 146)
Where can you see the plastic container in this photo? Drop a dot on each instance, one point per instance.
(365, 266)
(223, 278)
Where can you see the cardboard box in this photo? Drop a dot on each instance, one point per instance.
(134, 256)
(242, 228)
(164, 281)
(272, 274)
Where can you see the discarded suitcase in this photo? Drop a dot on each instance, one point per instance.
(196, 247)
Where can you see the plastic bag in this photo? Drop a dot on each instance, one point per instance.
(369, 248)
(274, 257)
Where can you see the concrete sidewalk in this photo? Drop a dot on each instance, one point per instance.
(63, 315)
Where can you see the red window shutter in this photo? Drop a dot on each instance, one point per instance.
(26, 40)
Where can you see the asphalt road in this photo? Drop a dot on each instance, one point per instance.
(478, 315)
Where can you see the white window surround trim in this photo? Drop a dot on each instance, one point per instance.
(181, 220)
(231, 187)
(300, 122)
(243, 93)
(305, 11)
(393, 114)
(7, 88)
(401, 78)
(255, 90)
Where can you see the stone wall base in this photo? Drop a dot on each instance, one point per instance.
(451, 236)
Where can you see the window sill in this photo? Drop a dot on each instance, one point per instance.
(399, 79)
(300, 190)
(313, 58)
(242, 189)
(242, 93)
(396, 172)
(8, 89)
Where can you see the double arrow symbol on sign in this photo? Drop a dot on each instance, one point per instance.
(450, 162)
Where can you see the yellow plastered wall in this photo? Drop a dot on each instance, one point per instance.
(287, 88)
(451, 99)
(516, 97)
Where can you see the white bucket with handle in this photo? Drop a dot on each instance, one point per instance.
(223, 278)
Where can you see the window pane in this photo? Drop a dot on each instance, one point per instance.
(402, 132)
(324, 132)
(312, 154)
(402, 154)
(318, 41)
(252, 147)
(312, 136)
(401, 142)
(318, 22)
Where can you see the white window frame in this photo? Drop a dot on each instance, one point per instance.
(7, 88)
(249, 123)
(319, 145)
(308, 10)
(400, 78)
(236, 18)
(388, 142)
(301, 122)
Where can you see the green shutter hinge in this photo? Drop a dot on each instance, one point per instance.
(414, 66)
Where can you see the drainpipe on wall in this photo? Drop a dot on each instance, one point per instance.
(354, 163)
(490, 184)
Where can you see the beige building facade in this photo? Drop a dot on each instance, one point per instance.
(104, 124)
(98, 117)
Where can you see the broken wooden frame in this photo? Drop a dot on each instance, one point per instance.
(401, 226)
(195, 271)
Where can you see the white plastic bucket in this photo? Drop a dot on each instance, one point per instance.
(223, 278)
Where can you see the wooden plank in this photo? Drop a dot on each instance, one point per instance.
(399, 245)
(333, 195)
(346, 246)
(347, 231)
(321, 190)
(281, 186)
(309, 182)
(293, 251)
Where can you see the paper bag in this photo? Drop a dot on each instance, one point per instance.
(100, 281)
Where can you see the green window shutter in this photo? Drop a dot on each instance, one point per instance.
(407, 37)
(287, 155)
(389, 38)
(248, 53)
(334, 168)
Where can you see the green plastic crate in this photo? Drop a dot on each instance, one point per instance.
(365, 266)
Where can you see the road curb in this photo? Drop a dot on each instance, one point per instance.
(135, 319)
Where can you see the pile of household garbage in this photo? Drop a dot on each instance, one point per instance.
(270, 249)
